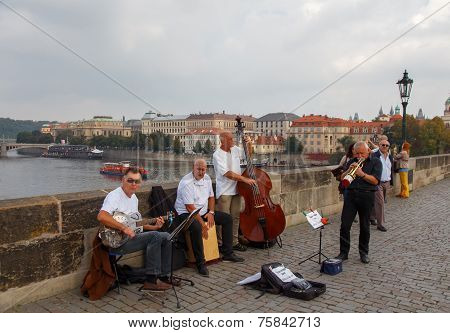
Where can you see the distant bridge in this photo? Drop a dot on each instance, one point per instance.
(6, 146)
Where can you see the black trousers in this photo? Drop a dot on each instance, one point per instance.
(195, 231)
(356, 202)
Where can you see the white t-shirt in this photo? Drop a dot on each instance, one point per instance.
(118, 201)
(193, 192)
(223, 162)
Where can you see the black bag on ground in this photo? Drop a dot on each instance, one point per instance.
(129, 275)
(297, 288)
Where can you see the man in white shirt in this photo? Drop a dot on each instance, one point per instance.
(195, 191)
(226, 160)
(157, 248)
(382, 152)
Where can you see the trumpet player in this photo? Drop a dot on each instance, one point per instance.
(359, 199)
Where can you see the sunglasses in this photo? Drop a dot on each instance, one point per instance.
(385, 145)
(133, 181)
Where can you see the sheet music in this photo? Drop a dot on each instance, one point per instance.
(250, 279)
(283, 273)
(314, 219)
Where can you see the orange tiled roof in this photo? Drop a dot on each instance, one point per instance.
(319, 121)
(219, 116)
(205, 131)
(396, 117)
(269, 140)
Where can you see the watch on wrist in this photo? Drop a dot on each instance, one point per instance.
(211, 212)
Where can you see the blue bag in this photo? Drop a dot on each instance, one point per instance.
(331, 266)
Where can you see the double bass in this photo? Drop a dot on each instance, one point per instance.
(261, 220)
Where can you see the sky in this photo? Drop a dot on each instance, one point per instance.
(243, 56)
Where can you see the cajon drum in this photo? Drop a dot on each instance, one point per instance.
(210, 246)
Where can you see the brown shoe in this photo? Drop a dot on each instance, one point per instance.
(175, 282)
(158, 286)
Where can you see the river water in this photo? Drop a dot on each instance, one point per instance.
(24, 176)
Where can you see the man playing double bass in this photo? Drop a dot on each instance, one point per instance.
(227, 166)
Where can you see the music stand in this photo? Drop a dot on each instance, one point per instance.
(314, 220)
(173, 237)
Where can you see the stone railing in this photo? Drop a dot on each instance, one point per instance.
(46, 242)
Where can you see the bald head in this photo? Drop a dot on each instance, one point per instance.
(199, 168)
(199, 162)
(226, 141)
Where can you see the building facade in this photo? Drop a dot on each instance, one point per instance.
(275, 124)
(319, 134)
(268, 144)
(446, 116)
(202, 135)
(367, 130)
(100, 125)
(174, 125)
(223, 121)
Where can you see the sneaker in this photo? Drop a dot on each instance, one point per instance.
(240, 247)
(202, 270)
(232, 258)
(373, 222)
(158, 286)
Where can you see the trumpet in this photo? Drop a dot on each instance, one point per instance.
(351, 175)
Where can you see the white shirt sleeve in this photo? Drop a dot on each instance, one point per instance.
(110, 204)
(220, 164)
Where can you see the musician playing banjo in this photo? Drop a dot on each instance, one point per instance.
(157, 248)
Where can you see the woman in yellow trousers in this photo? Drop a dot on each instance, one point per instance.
(403, 158)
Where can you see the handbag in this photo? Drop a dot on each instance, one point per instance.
(396, 166)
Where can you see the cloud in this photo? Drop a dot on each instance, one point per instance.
(242, 56)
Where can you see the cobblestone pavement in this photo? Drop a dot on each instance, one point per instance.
(408, 272)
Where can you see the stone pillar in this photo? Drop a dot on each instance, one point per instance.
(3, 150)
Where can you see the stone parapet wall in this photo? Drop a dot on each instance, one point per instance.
(46, 242)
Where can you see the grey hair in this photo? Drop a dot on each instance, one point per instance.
(359, 144)
(199, 160)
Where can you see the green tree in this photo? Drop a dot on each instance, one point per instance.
(208, 149)
(168, 142)
(65, 135)
(434, 137)
(177, 149)
(24, 137)
(293, 145)
(198, 147)
(78, 140)
(335, 157)
(346, 142)
(394, 134)
(33, 137)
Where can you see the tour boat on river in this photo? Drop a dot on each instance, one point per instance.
(73, 151)
(117, 169)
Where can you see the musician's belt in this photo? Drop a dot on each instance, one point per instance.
(360, 190)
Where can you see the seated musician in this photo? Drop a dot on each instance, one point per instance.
(195, 191)
(157, 249)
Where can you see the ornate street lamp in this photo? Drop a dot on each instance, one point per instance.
(405, 86)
